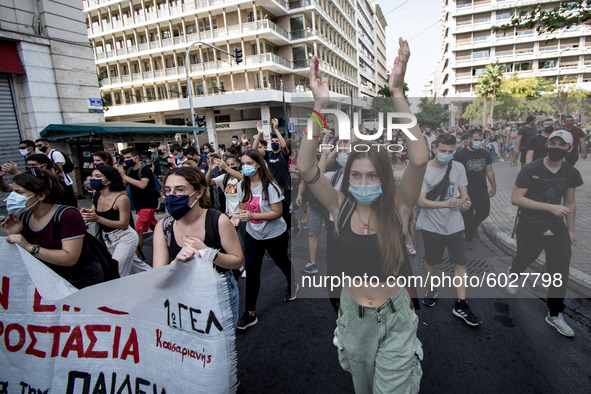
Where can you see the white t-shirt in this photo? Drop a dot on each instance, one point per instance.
(230, 191)
(430, 138)
(263, 229)
(57, 157)
(443, 220)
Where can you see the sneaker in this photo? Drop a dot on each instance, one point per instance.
(463, 311)
(560, 325)
(290, 296)
(310, 268)
(247, 320)
(469, 245)
(430, 298)
(411, 249)
(501, 160)
(511, 289)
(335, 341)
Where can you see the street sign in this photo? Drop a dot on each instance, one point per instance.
(95, 105)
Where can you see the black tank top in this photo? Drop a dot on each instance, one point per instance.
(360, 254)
(110, 214)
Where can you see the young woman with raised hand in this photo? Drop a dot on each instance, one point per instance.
(260, 199)
(376, 327)
(111, 211)
(193, 225)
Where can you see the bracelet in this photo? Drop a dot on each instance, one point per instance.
(35, 250)
(316, 177)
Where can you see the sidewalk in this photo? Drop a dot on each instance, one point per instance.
(499, 225)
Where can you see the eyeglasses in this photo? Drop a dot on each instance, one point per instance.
(177, 191)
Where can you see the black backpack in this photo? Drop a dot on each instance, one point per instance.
(440, 190)
(68, 166)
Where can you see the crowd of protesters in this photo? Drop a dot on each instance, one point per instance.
(373, 205)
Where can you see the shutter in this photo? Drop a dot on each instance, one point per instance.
(9, 133)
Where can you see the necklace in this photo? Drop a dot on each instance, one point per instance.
(365, 225)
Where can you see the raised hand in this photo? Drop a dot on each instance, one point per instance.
(318, 85)
(396, 83)
(259, 127)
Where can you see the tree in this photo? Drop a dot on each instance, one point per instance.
(563, 16)
(431, 113)
(494, 71)
(483, 88)
(105, 98)
(382, 103)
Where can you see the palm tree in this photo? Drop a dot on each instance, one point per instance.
(494, 72)
(483, 88)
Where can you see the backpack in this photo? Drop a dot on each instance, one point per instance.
(156, 186)
(345, 213)
(68, 166)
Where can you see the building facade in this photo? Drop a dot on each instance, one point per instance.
(469, 44)
(140, 48)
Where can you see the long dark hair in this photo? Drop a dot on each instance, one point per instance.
(385, 208)
(113, 176)
(41, 181)
(264, 173)
(196, 179)
(105, 156)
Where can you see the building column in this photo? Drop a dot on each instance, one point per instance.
(212, 134)
(266, 121)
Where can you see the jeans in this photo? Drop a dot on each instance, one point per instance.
(478, 211)
(493, 153)
(379, 345)
(530, 243)
(234, 296)
(254, 251)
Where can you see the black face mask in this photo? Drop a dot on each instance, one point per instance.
(556, 154)
(43, 149)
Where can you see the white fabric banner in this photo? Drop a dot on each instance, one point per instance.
(161, 331)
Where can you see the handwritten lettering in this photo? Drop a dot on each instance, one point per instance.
(183, 351)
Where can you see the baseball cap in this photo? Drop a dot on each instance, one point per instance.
(564, 135)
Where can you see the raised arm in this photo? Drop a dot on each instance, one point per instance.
(418, 153)
(282, 142)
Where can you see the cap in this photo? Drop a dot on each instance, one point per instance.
(564, 135)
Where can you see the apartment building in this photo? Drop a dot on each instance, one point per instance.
(469, 44)
(140, 47)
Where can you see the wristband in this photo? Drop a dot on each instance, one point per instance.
(35, 250)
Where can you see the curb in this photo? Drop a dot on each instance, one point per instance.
(578, 280)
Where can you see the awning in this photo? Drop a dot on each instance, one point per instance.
(62, 131)
(10, 63)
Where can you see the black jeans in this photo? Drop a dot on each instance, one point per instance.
(254, 251)
(479, 210)
(530, 243)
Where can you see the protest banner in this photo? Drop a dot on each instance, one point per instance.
(167, 330)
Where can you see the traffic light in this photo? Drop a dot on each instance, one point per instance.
(200, 120)
(238, 55)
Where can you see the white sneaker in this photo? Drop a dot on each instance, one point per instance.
(560, 325)
(335, 341)
(411, 249)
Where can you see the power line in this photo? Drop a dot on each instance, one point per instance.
(418, 34)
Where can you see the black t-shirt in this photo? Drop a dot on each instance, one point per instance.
(526, 134)
(538, 145)
(475, 163)
(544, 186)
(143, 198)
(279, 167)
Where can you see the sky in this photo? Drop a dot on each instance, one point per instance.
(414, 20)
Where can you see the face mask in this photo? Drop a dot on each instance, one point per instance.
(235, 168)
(428, 133)
(275, 145)
(342, 159)
(366, 195)
(205, 150)
(403, 157)
(43, 149)
(97, 165)
(17, 204)
(444, 159)
(23, 152)
(97, 184)
(178, 157)
(568, 125)
(178, 206)
(152, 150)
(248, 170)
(556, 154)
(233, 142)
(129, 163)
(476, 144)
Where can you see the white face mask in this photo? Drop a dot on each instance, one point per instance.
(24, 152)
(17, 203)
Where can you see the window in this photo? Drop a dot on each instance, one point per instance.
(195, 58)
(150, 94)
(173, 91)
(523, 66)
(128, 98)
(481, 36)
(463, 3)
(138, 96)
(190, 29)
(521, 33)
(524, 48)
(204, 24)
(464, 20)
(503, 15)
(482, 18)
(548, 46)
(254, 49)
(479, 71)
(463, 38)
(465, 55)
(547, 63)
(169, 62)
(164, 34)
(161, 92)
(568, 62)
(504, 51)
(480, 54)
(117, 97)
(198, 88)
(180, 61)
(569, 43)
(587, 60)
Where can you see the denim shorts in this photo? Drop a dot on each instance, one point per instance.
(379, 345)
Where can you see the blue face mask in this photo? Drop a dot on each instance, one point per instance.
(129, 163)
(178, 206)
(477, 144)
(248, 170)
(233, 142)
(275, 145)
(205, 150)
(444, 159)
(342, 159)
(366, 195)
(97, 184)
(17, 203)
(234, 168)
(178, 157)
